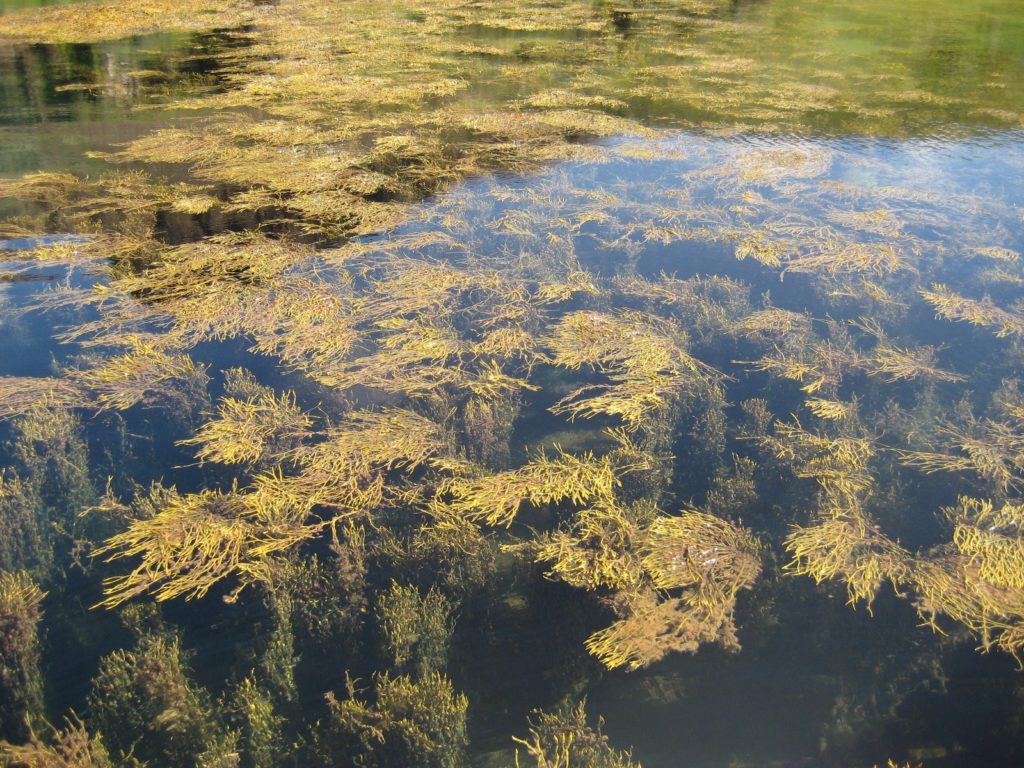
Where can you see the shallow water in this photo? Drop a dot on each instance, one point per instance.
(680, 169)
(788, 698)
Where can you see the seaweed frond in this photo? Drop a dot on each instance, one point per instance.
(984, 313)
(243, 429)
(495, 499)
(640, 355)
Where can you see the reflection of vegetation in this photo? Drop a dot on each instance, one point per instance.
(92, 21)
(422, 94)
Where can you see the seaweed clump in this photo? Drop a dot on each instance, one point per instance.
(563, 739)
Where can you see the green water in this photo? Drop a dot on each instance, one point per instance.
(834, 67)
(64, 101)
(813, 210)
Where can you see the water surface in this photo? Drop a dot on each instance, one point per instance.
(787, 191)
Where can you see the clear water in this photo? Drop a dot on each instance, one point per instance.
(784, 117)
(790, 697)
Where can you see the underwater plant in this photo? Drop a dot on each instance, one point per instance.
(147, 707)
(563, 739)
(21, 678)
(407, 310)
(261, 739)
(417, 630)
(26, 544)
(410, 723)
(72, 747)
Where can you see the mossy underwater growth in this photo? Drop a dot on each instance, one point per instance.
(658, 380)
(21, 680)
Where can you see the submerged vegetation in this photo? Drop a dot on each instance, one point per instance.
(624, 399)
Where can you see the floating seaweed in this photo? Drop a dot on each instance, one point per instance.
(953, 306)
(639, 354)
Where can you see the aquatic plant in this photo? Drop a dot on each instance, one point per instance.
(261, 737)
(218, 534)
(417, 630)
(21, 679)
(599, 551)
(733, 489)
(43, 490)
(849, 546)
(244, 430)
(411, 723)
(639, 354)
(109, 20)
(694, 549)
(278, 658)
(990, 538)
(819, 367)
(833, 410)
(991, 448)
(71, 747)
(27, 543)
(402, 454)
(487, 425)
(143, 375)
(146, 706)
(328, 592)
(695, 565)
(19, 394)
(444, 549)
(951, 587)
(953, 306)
(839, 464)
(842, 540)
(673, 579)
(655, 627)
(976, 579)
(893, 363)
(855, 259)
(563, 739)
(706, 306)
(496, 498)
(210, 542)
